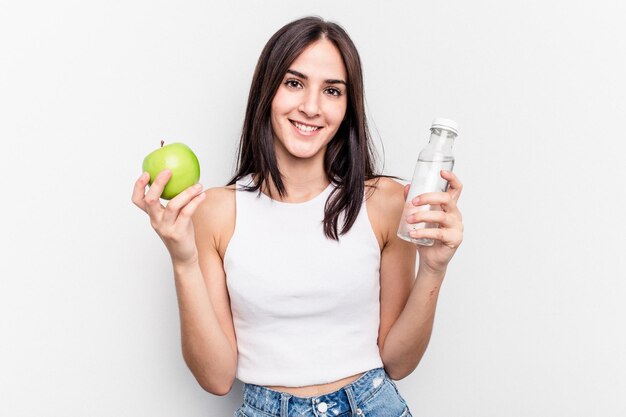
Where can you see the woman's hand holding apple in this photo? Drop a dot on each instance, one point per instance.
(172, 223)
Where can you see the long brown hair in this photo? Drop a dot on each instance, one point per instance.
(350, 155)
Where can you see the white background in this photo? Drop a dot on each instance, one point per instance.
(530, 320)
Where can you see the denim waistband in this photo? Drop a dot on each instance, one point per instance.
(344, 399)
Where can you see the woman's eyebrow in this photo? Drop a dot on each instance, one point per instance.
(304, 77)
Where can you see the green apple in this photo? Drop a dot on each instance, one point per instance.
(178, 158)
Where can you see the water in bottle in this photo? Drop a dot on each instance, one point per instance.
(427, 178)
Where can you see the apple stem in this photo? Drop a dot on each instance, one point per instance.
(162, 142)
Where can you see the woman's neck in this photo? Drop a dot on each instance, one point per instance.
(302, 180)
(298, 189)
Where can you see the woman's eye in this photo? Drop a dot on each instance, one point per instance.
(333, 91)
(293, 83)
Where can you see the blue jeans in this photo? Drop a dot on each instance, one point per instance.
(374, 394)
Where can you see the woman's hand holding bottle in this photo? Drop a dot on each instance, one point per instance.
(173, 222)
(447, 218)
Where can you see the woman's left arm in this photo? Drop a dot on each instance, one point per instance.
(403, 343)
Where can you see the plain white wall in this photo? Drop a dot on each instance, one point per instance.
(531, 316)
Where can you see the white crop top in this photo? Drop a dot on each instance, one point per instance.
(306, 308)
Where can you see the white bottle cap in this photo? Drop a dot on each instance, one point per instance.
(441, 123)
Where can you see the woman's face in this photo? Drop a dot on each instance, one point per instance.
(310, 103)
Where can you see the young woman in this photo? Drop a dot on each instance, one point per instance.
(291, 277)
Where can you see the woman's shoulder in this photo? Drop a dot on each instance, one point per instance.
(384, 190)
(215, 216)
(219, 198)
(385, 202)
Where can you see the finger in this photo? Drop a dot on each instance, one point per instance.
(454, 184)
(152, 198)
(139, 191)
(185, 214)
(441, 218)
(177, 203)
(445, 200)
(406, 190)
(449, 237)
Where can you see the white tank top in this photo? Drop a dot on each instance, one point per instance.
(306, 308)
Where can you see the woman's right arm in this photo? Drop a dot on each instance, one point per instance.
(207, 332)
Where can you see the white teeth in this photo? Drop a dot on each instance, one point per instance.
(305, 128)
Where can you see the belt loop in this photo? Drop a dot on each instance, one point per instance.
(354, 411)
(284, 404)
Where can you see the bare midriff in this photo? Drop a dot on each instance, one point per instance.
(314, 390)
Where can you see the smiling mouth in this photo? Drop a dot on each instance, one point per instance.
(304, 127)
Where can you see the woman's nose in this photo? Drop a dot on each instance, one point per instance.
(310, 104)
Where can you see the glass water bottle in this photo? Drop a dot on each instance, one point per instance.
(436, 156)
